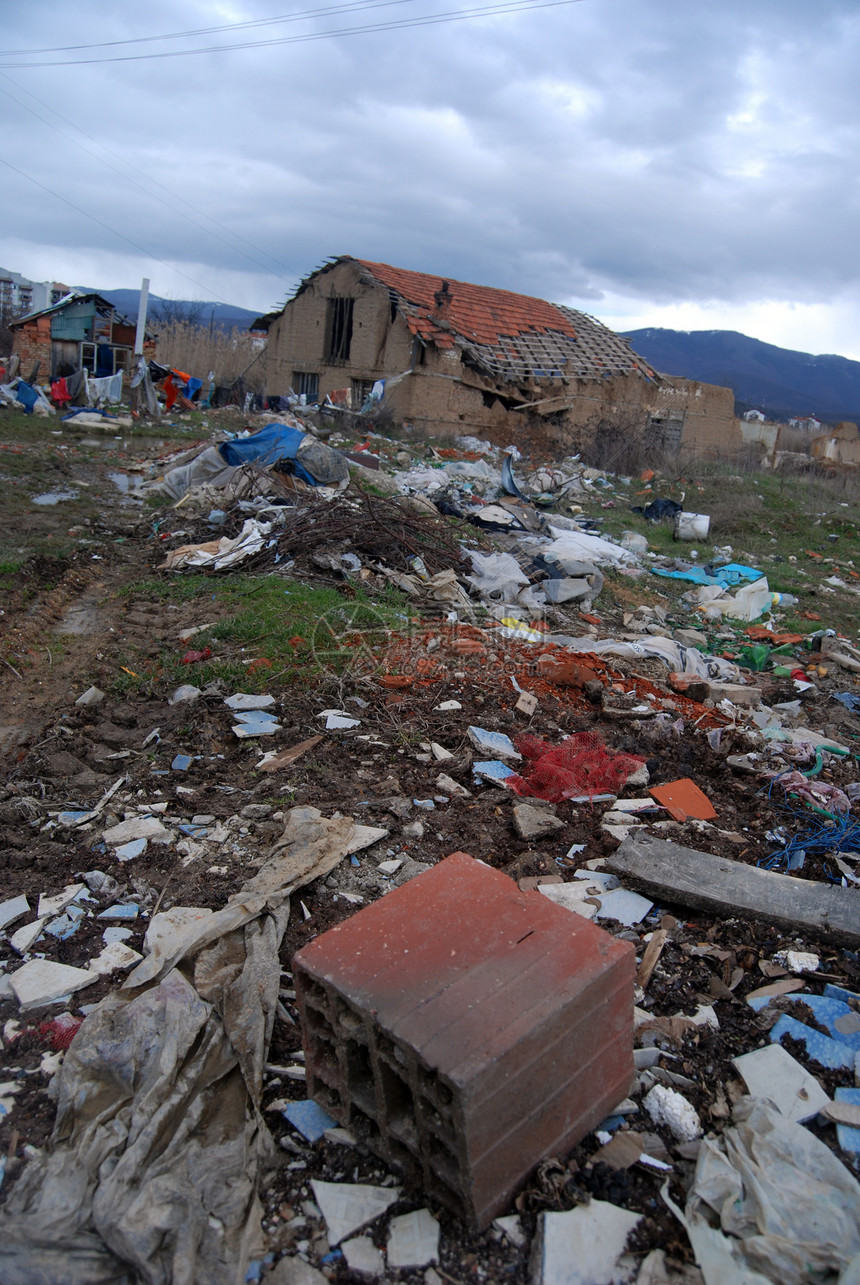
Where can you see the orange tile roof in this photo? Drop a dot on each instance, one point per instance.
(480, 313)
(508, 336)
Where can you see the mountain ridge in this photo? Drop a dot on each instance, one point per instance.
(780, 382)
(224, 316)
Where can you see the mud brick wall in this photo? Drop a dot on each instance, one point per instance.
(464, 1030)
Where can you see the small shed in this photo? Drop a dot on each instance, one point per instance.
(80, 332)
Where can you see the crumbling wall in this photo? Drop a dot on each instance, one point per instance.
(380, 346)
(32, 343)
(842, 446)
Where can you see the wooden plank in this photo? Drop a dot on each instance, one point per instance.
(653, 951)
(683, 876)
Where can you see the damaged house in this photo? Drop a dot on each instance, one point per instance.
(459, 358)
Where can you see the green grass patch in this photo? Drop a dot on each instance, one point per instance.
(797, 530)
(272, 632)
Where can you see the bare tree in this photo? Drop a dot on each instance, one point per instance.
(171, 312)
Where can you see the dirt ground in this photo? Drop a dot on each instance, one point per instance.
(69, 623)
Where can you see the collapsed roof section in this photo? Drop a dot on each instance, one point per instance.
(504, 335)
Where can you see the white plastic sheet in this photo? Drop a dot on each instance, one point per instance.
(771, 1204)
(151, 1170)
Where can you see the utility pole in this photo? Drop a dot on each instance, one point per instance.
(140, 375)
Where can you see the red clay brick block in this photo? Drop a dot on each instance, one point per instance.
(464, 1030)
(564, 673)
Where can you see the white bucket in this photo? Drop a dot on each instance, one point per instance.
(692, 526)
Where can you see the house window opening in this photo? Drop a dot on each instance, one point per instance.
(306, 385)
(338, 329)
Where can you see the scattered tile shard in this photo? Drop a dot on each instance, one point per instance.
(40, 981)
(347, 1207)
(363, 1257)
(771, 1072)
(413, 1240)
(13, 909)
(493, 743)
(583, 1245)
(683, 800)
(310, 1119)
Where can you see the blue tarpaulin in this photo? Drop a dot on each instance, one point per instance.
(272, 443)
(27, 396)
(731, 574)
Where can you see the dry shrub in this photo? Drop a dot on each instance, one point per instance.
(199, 349)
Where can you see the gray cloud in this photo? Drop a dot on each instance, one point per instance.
(664, 153)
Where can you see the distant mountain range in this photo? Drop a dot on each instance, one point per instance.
(222, 315)
(777, 381)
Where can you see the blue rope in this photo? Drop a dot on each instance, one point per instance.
(833, 833)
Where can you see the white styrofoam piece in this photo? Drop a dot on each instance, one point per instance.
(667, 1107)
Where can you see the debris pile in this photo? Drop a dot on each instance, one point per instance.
(264, 1019)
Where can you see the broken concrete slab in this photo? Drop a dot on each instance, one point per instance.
(583, 1245)
(535, 823)
(771, 1072)
(349, 1206)
(686, 877)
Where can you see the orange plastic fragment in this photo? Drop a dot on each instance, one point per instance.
(683, 800)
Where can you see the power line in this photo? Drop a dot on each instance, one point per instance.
(454, 15)
(121, 235)
(237, 240)
(208, 31)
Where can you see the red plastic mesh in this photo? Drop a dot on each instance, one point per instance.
(60, 1031)
(580, 765)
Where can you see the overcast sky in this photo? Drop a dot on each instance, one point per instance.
(653, 162)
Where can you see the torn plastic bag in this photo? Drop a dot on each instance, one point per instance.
(770, 1203)
(151, 1171)
(680, 659)
(582, 547)
(497, 575)
(222, 553)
